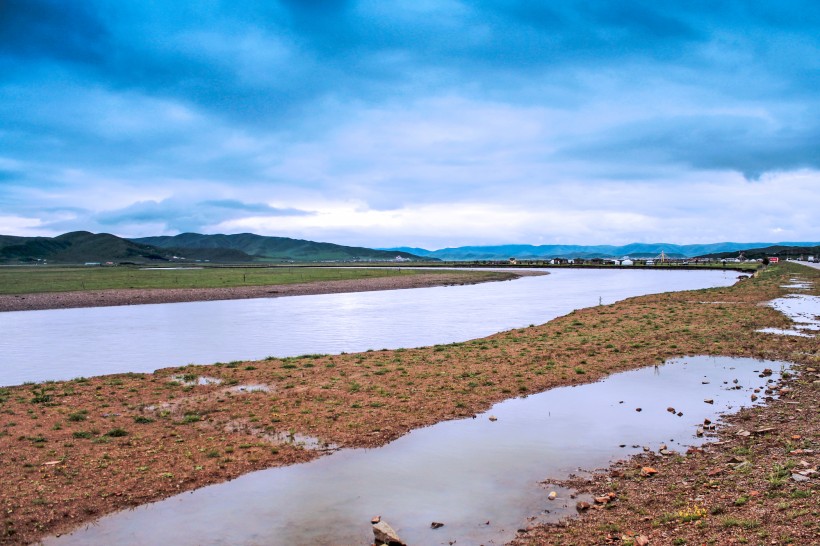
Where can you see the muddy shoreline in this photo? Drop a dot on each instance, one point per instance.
(108, 298)
(134, 438)
(754, 482)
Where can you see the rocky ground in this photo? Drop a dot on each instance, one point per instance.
(756, 483)
(105, 298)
(72, 451)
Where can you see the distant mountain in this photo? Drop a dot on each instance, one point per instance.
(275, 248)
(531, 252)
(76, 247)
(780, 250)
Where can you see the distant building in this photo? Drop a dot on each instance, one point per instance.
(626, 260)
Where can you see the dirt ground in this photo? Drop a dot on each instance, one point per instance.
(106, 298)
(72, 451)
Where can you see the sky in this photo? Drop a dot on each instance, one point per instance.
(423, 123)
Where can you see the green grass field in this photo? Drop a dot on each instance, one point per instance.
(27, 280)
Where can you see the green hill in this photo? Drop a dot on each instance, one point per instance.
(276, 248)
(76, 247)
(781, 251)
(83, 247)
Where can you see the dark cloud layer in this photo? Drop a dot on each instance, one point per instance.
(148, 95)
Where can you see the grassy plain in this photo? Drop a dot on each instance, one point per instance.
(74, 450)
(31, 280)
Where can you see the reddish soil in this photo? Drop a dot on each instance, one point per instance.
(72, 451)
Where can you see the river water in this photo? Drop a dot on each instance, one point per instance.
(68, 343)
(480, 477)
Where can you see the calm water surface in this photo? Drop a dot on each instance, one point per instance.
(464, 473)
(68, 343)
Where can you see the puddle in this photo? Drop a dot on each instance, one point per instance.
(306, 442)
(781, 332)
(462, 473)
(250, 388)
(797, 285)
(802, 309)
(277, 438)
(191, 381)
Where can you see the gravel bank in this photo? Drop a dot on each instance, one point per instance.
(106, 298)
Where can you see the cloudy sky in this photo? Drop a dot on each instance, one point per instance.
(426, 123)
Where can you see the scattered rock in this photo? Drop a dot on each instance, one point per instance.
(754, 397)
(648, 471)
(638, 409)
(605, 499)
(763, 430)
(641, 540)
(436, 525)
(385, 535)
(670, 409)
(800, 478)
(493, 418)
(552, 496)
(582, 506)
(765, 373)
(709, 401)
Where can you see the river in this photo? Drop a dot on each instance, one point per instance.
(67, 343)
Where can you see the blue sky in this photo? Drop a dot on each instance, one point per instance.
(419, 123)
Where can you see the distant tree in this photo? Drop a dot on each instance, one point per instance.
(765, 260)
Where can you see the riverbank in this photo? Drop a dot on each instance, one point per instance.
(73, 451)
(115, 297)
(755, 482)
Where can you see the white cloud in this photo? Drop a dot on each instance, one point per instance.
(21, 226)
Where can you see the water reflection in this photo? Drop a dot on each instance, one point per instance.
(480, 477)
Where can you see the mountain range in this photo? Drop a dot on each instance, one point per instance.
(635, 250)
(84, 247)
(263, 248)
